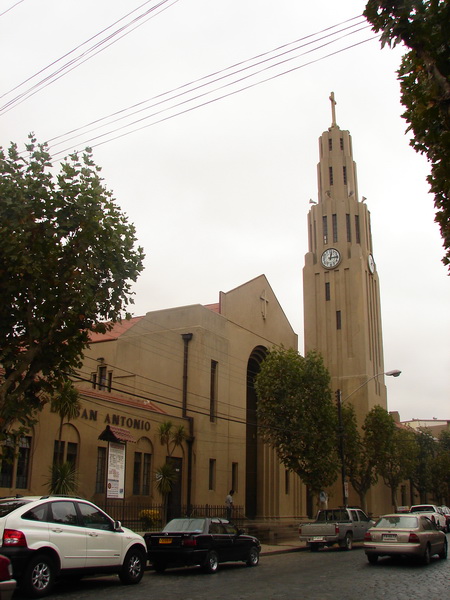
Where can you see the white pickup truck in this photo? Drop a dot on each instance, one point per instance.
(433, 512)
(341, 526)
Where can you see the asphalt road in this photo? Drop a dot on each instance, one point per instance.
(329, 574)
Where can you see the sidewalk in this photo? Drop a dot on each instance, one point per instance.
(293, 545)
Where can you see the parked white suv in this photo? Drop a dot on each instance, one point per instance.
(433, 512)
(50, 536)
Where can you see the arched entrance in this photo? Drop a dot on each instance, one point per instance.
(251, 453)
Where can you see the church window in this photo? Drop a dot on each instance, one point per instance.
(23, 463)
(325, 230)
(213, 391)
(335, 229)
(142, 473)
(235, 476)
(349, 228)
(330, 174)
(344, 173)
(287, 482)
(330, 144)
(357, 232)
(338, 320)
(327, 291)
(212, 474)
(102, 378)
(101, 470)
(341, 143)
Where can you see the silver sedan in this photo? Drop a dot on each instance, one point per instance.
(405, 535)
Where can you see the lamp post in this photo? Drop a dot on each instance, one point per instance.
(339, 401)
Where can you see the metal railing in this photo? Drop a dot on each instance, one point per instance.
(151, 517)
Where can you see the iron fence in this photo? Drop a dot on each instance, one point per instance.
(151, 517)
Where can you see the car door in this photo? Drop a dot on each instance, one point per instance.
(239, 544)
(103, 543)
(66, 534)
(221, 541)
(363, 524)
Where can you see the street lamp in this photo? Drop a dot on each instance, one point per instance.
(393, 373)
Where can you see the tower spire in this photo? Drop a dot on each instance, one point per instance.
(333, 110)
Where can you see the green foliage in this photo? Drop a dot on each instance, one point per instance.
(66, 403)
(422, 475)
(170, 436)
(360, 454)
(67, 260)
(296, 415)
(63, 479)
(424, 75)
(395, 448)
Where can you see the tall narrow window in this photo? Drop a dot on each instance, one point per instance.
(102, 378)
(357, 232)
(101, 470)
(349, 227)
(72, 451)
(330, 175)
(58, 452)
(325, 230)
(213, 392)
(338, 320)
(23, 463)
(341, 141)
(109, 381)
(146, 474)
(212, 474)
(235, 476)
(344, 174)
(137, 473)
(330, 144)
(335, 228)
(6, 467)
(327, 291)
(94, 380)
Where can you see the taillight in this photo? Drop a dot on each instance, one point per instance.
(336, 529)
(367, 536)
(299, 531)
(413, 538)
(189, 542)
(13, 537)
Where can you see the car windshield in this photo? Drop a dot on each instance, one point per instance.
(7, 506)
(422, 508)
(397, 522)
(188, 525)
(333, 515)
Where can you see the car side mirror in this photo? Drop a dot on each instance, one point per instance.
(117, 526)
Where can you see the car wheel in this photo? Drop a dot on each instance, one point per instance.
(211, 563)
(253, 557)
(39, 576)
(426, 558)
(444, 553)
(348, 542)
(159, 566)
(372, 558)
(133, 566)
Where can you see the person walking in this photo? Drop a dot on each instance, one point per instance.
(229, 504)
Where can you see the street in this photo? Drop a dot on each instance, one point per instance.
(329, 574)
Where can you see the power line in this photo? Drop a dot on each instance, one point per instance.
(181, 92)
(86, 55)
(11, 7)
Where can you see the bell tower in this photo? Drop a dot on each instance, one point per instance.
(342, 316)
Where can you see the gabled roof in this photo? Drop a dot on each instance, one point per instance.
(100, 395)
(117, 330)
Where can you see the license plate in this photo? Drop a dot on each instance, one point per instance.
(165, 540)
(389, 537)
(318, 538)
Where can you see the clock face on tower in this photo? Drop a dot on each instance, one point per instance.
(331, 258)
(371, 263)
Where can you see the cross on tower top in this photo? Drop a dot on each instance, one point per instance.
(333, 110)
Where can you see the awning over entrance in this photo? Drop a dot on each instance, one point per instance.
(116, 434)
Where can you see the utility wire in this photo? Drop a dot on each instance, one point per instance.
(97, 140)
(11, 7)
(86, 55)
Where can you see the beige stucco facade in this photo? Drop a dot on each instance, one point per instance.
(192, 365)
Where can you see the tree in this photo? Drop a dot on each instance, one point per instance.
(360, 455)
(67, 404)
(424, 75)
(67, 260)
(397, 449)
(422, 475)
(297, 417)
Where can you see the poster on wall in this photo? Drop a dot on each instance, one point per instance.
(116, 471)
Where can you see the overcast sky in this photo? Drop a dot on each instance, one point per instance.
(220, 193)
